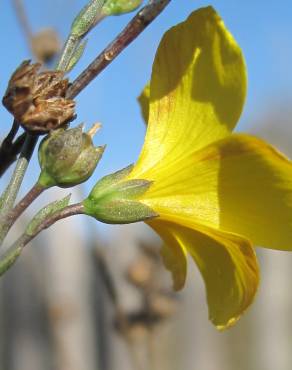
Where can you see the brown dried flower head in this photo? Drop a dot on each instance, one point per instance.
(37, 99)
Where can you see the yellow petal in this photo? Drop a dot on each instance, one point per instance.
(172, 252)
(144, 103)
(239, 184)
(226, 261)
(255, 192)
(197, 89)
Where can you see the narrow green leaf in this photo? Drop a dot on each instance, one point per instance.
(87, 18)
(76, 56)
(45, 212)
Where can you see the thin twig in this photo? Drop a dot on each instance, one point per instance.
(137, 25)
(11, 135)
(87, 18)
(8, 149)
(25, 202)
(9, 153)
(21, 166)
(34, 192)
(16, 180)
(68, 211)
(23, 20)
(13, 252)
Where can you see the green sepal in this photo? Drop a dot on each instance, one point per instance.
(118, 211)
(115, 200)
(45, 212)
(88, 158)
(131, 189)
(59, 149)
(110, 181)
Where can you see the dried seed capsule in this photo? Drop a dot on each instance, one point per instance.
(37, 99)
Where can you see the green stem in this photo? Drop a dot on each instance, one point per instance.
(26, 201)
(17, 211)
(72, 210)
(18, 174)
(133, 29)
(87, 18)
(13, 252)
(15, 182)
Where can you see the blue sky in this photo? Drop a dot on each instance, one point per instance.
(263, 29)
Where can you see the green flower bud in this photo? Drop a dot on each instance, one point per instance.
(115, 200)
(117, 7)
(68, 157)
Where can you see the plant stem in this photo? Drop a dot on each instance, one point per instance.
(9, 257)
(9, 149)
(18, 174)
(68, 211)
(23, 20)
(15, 182)
(143, 18)
(137, 25)
(10, 194)
(87, 18)
(11, 135)
(25, 202)
(34, 192)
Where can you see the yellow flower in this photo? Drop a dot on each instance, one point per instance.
(214, 193)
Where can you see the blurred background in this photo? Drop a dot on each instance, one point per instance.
(85, 296)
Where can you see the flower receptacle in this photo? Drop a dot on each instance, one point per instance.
(115, 200)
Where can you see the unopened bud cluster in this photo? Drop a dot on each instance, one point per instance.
(67, 158)
(37, 99)
(117, 7)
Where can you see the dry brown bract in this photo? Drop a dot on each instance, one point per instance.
(37, 99)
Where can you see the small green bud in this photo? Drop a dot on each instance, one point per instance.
(117, 7)
(68, 157)
(114, 199)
